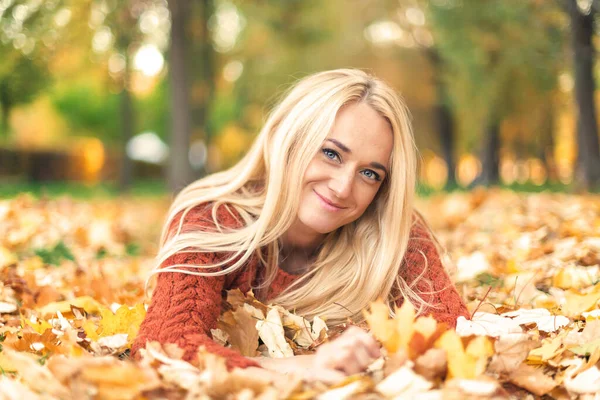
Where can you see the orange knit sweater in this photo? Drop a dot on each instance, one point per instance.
(184, 308)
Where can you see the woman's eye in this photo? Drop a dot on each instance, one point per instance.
(331, 154)
(372, 175)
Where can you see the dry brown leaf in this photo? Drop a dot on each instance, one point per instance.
(510, 352)
(532, 379)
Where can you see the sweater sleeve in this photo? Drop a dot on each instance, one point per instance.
(184, 308)
(422, 269)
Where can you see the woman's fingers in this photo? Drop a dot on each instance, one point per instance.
(360, 338)
(329, 376)
(358, 360)
(351, 353)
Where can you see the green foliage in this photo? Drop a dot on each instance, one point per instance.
(487, 279)
(54, 256)
(132, 249)
(101, 253)
(152, 112)
(502, 57)
(89, 110)
(21, 83)
(23, 69)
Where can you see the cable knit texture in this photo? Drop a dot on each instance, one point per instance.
(184, 308)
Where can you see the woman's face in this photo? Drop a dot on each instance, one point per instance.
(345, 175)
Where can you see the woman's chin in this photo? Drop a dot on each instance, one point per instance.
(320, 227)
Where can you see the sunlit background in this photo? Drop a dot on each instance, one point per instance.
(121, 92)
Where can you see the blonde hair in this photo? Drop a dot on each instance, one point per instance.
(357, 263)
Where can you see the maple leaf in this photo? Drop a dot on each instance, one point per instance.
(469, 362)
(533, 379)
(44, 343)
(125, 320)
(271, 332)
(240, 327)
(510, 352)
(404, 332)
(382, 327)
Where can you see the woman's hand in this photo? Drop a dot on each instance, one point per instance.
(352, 352)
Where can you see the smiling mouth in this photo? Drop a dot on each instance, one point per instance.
(329, 203)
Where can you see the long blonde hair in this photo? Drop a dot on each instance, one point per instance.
(357, 263)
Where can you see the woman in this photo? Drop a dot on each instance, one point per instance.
(317, 217)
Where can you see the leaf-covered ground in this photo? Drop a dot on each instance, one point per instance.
(72, 298)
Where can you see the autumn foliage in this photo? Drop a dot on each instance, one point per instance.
(72, 299)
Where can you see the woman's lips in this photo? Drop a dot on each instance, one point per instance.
(327, 204)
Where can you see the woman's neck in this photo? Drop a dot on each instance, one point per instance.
(299, 248)
(301, 239)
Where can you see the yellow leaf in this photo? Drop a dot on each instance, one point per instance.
(576, 303)
(405, 320)
(125, 320)
(88, 303)
(7, 257)
(396, 334)
(91, 330)
(572, 278)
(426, 326)
(550, 348)
(33, 263)
(465, 364)
(40, 326)
(382, 327)
(480, 349)
(512, 267)
(6, 365)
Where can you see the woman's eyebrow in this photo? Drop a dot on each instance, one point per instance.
(378, 166)
(345, 149)
(339, 144)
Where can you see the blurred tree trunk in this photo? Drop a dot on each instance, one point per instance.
(444, 117)
(179, 169)
(202, 65)
(546, 143)
(588, 158)
(127, 127)
(490, 156)
(4, 109)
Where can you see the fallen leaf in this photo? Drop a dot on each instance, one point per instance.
(544, 320)
(271, 332)
(510, 352)
(532, 379)
(576, 303)
(585, 382)
(89, 304)
(34, 375)
(486, 324)
(403, 383)
(550, 348)
(469, 362)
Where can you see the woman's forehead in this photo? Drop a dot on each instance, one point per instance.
(362, 130)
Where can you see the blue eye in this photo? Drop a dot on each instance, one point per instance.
(331, 154)
(372, 174)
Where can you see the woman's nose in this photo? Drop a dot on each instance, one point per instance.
(341, 184)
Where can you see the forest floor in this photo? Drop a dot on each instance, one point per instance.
(72, 274)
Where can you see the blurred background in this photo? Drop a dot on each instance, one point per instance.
(148, 95)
